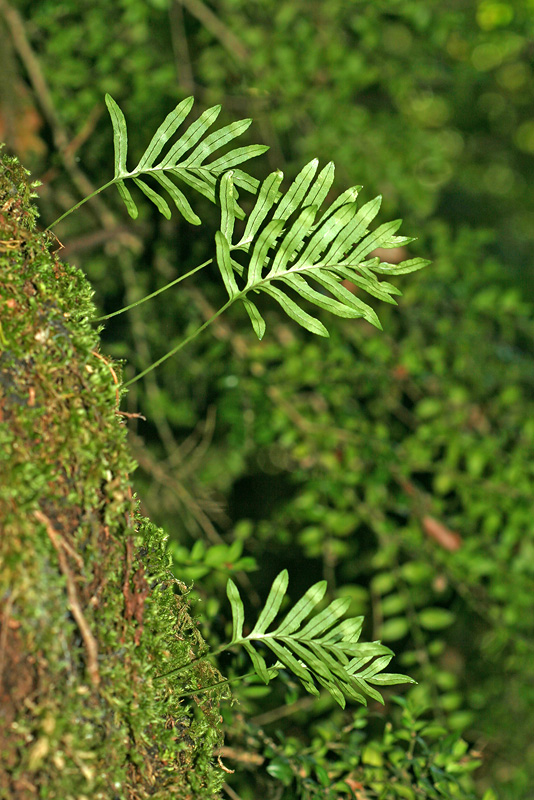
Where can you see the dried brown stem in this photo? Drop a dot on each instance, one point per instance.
(215, 26)
(223, 767)
(21, 43)
(89, 640)
(233, 795)
(166, 478)
(113, 375)
(243, 756)
(180, 47)
(3, 635)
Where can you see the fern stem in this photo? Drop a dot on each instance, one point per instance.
(182, 343)
(224, 682)
(150, 296)
(85, 199)
(183, 666)
(209, 654)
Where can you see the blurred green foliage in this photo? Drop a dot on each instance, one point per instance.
(397, 465)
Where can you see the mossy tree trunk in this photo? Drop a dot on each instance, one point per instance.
(90, 614)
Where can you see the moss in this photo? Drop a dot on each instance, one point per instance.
(90, 612)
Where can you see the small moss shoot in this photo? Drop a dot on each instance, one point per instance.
(90, 613)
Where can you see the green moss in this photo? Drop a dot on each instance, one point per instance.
(90, 612)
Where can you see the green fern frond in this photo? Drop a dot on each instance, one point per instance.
(288, 247)
(185, 160)
(324, 651)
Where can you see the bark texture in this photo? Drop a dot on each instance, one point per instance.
(90, 613)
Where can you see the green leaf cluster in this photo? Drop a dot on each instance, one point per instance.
(412, 759)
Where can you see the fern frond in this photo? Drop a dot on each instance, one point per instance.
(286, 246)
(323, 651)
(185, 160)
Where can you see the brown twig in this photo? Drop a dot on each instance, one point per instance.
(215, 26)
(113, 374)
(274, 714)
(78, 140)
(89, 640)
(17, 30)
(72, 552)
(166, 478)
(180, 47)
(242, 756)
(196, 453)
(230, 792)
(222, 766)
(200, 437)
(85, 131)
(101, 237)
(3, 636)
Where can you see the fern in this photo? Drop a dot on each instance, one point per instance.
(323, 651)
(185, 160)
(287, 243)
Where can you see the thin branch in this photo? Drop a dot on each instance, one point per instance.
(79, 139)
(89, 640)
(182, 344)
(84, 185)
(222, 766)
(166, 478)
(200, 437)
(215, 26)
(241, 756)
(21, 43)
(98, 238)
(221, 328)
(163, 476)
(200, 449)
(3, 636)
(180, 47)
(154, 294)
(274, 714)
(230, 792)
(85, 131)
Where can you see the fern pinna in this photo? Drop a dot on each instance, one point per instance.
(325, 651)
(283, 238)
